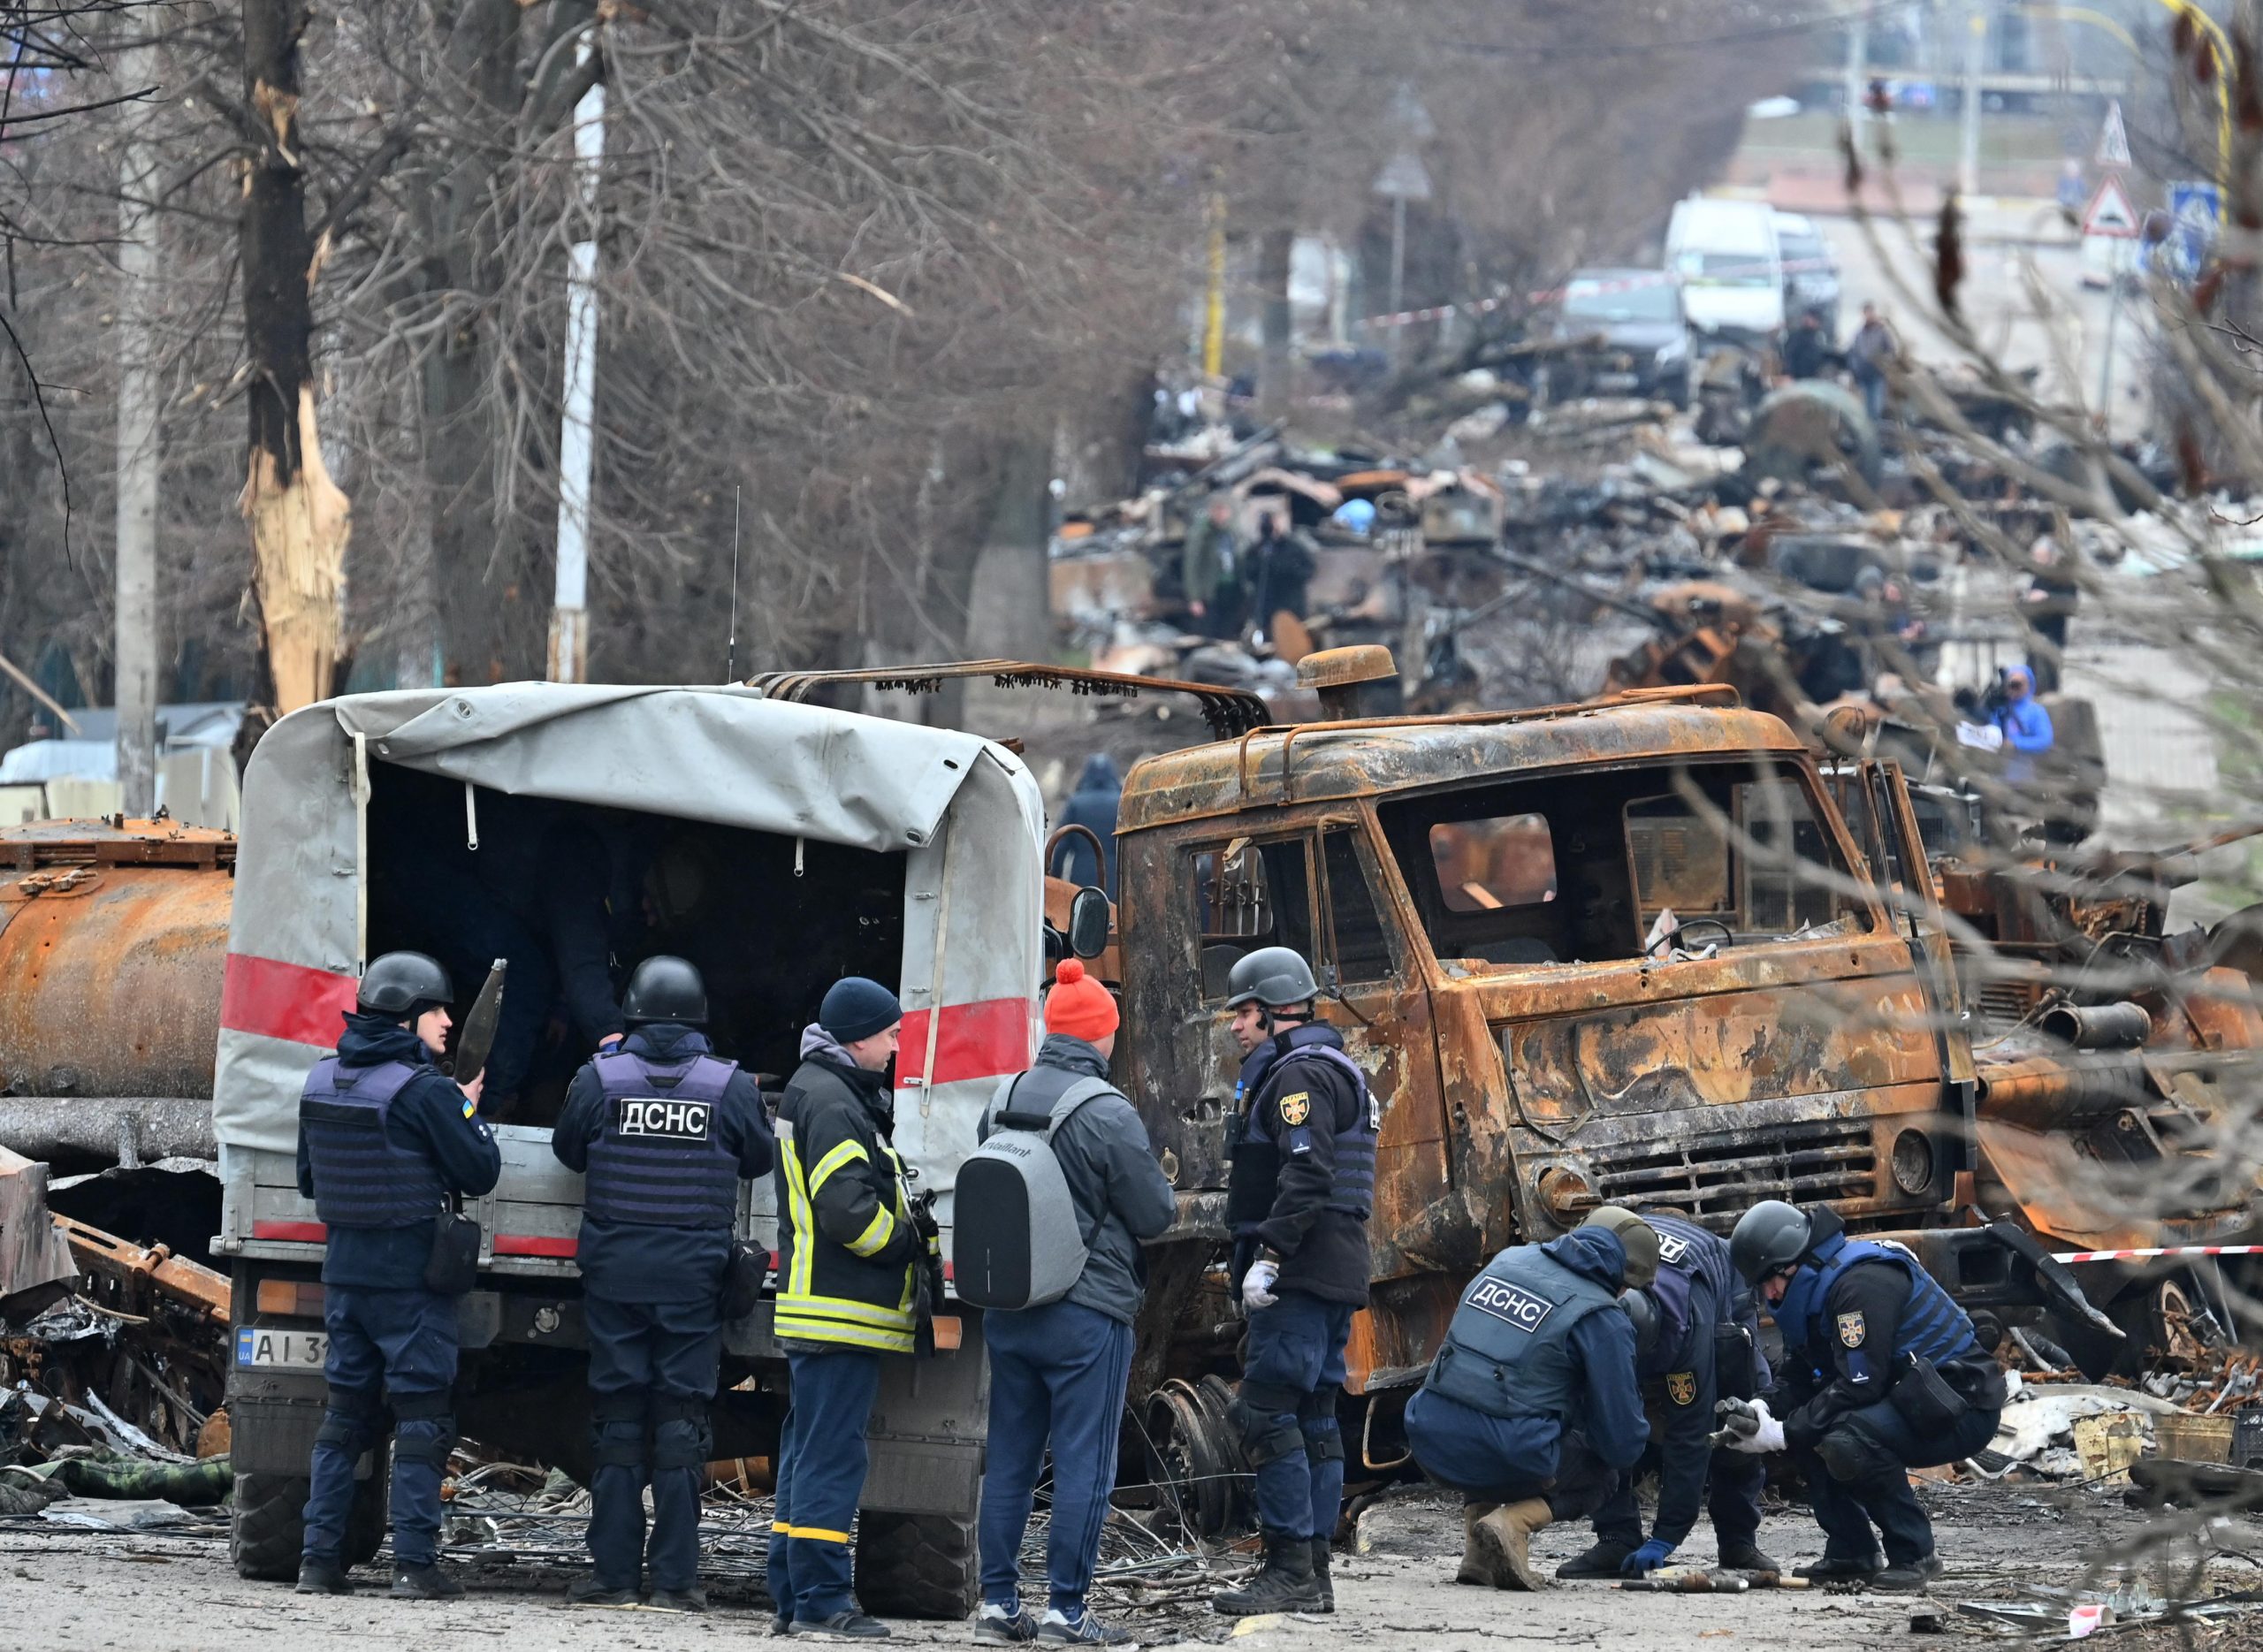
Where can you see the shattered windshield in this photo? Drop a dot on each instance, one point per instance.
(1578, 871)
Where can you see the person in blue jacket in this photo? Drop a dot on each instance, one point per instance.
(1531, 1409)
(384, 1141)
(2025, 724)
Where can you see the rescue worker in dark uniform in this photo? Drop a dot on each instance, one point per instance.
(850, 1250)
(1702, 1344)
(664, 1132)
(384, 1141)
(1298, 1196)
(1530, 1409)
(1883, 1373)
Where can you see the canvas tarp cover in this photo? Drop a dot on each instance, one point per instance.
(724, 755)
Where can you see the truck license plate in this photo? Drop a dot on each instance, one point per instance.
(297, 1351)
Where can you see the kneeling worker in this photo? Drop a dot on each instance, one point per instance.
(1530, 1409)
(1058, 1371)
(664, 1132)
(1883, 1374)
(384, 1141)
(1703, 1343)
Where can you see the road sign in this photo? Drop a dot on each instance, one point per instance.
(2110, 213)
(1404, 179)
(2113, 138)
(2196, 208)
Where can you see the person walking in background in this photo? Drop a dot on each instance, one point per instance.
(1058, 1371)
(1092, 806)
(1209, 570)
(1868, 352)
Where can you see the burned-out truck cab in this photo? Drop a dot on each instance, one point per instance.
(1628, 952)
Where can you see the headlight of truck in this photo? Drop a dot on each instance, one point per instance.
(1913, 1161)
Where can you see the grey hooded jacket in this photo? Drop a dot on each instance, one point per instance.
(1121, 1194)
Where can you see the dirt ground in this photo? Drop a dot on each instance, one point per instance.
(68, 1590)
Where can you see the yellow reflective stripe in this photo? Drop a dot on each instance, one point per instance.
(817, 1532)
(846, 1153)
(876, 1235)
(781, 1526)
(898, 1341)
(803, 1219)
(844, 1307)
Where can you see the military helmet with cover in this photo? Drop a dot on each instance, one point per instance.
(664, 988)
(1276, 976)
(1635, 1236)
(1769, 1237)
(404, 984)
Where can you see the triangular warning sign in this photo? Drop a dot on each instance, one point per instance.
(2110, 212)
(2113, 138)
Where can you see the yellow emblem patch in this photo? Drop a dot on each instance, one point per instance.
(1295, 1110)
(1852, 1330)
(1681, 1387)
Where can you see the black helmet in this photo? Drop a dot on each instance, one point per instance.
(665, 989)
(404, 983)
(1638, 1307)
(1769, 1237)
(1275, 976)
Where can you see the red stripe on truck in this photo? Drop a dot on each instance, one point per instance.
(534, 1244)
(979, 1040)
(283, 1001)
(304, 1232)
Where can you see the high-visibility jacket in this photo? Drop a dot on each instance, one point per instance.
(846, 1242)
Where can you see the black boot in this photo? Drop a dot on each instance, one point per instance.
(1908, 1577)
(1320, 1574)
(1840, 1569)
(1601, 1560)
(1285, 1585)
(1747, 1557)
(423, 1583)
(323, 1577)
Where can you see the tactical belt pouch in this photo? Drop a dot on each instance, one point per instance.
(453, 1266)
(1732, 1362)
(1926, 1400)
(742, 1277)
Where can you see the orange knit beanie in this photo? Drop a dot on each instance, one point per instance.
(1077, 1005)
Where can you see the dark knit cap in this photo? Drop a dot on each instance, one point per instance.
(855, 1009)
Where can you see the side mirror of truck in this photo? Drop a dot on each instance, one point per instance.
(1088, 918)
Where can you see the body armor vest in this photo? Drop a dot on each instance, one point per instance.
(661, 1160)
(362, 1179)
(1932, 1328)
(1508, 1349)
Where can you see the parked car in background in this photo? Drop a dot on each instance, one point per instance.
(1731, 268)
(1810, 272)
(1645, 350)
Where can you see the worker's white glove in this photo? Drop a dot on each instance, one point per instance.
(1257, 1285)
(1747, 1426)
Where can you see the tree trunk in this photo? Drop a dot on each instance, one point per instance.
(1008, 613)
(299, 520)
(1276, 364)
(135, 650)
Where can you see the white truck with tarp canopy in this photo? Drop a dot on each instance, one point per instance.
(796, 844)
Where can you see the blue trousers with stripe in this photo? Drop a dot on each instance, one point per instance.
(822, 1462)
(1057, 1375)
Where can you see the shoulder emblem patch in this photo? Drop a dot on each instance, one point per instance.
(1852, 1330)
(470, 1107)
(1296, 1108)
(1672, 1248)
(1681, 1387)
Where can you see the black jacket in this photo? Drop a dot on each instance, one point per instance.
(429, 1116)
(1878, 1292)
(846, 1243)
(1323, 1251)
(636, 1261)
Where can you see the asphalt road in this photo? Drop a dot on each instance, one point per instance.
(2025, 301)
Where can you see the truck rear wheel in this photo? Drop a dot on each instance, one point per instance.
(916, 1565)
(269, 1525)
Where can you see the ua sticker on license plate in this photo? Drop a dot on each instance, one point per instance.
(259, 1345)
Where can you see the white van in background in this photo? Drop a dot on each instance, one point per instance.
(1731, 267)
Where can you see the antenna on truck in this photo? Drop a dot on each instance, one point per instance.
(731, 648)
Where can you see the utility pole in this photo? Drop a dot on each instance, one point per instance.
(569, 618)
(135, 651)
(1213, 291)
(1975, 42)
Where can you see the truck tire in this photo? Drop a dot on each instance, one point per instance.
(917, 1565)
(269, 1524)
